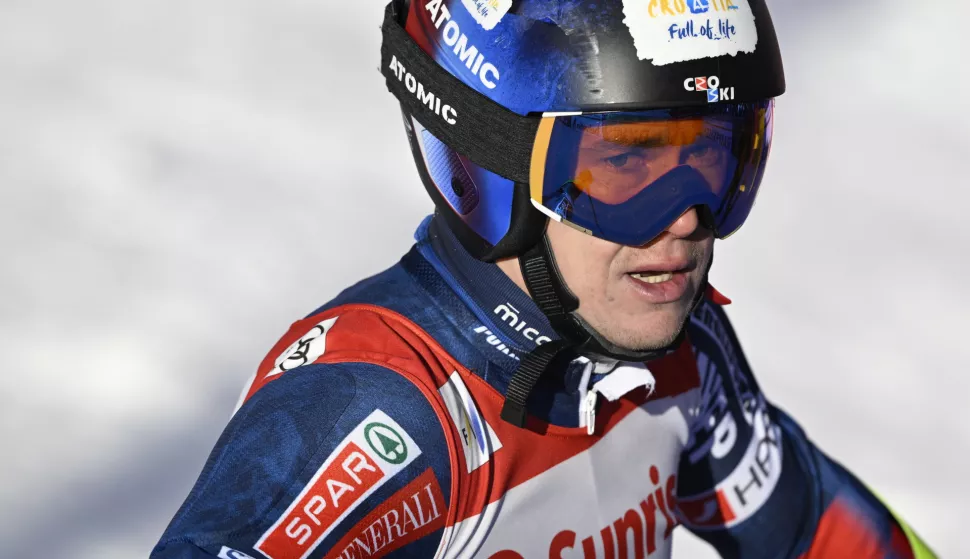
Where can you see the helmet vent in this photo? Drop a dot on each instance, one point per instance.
(449, 175)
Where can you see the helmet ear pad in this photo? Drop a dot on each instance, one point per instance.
(526, 224)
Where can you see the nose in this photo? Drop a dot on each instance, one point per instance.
(685, 225)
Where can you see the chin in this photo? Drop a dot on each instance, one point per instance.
(657, 333)
(655, 342)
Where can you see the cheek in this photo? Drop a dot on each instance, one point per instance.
(583, 260)
(707, 248)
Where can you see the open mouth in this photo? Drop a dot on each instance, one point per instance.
(668, 284)
(653, 277)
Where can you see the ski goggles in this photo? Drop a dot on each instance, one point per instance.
(626, 176)
(623, 176)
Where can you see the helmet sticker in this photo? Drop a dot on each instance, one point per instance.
(668, 31)
(487, 12)
(710, 84)
(461, 44)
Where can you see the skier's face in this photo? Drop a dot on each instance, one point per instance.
(615, 283)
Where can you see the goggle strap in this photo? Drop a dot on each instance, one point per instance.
(478, 128)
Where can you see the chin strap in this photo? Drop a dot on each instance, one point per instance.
(557, 302)
(549, 291)
(533, 365)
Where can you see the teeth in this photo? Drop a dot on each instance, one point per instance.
(654, 278)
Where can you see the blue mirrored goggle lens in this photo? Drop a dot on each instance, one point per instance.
(626, 176)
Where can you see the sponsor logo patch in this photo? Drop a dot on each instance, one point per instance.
(648, 525)
(668, 31)
(732, 442)
(375, 451)
(746, 489)
(410, 514)
(510, 316)
(306, 350)
(386, 442)
(478, 440)
(495, 342)
(712, 85)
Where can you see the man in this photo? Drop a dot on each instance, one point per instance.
(547, 372)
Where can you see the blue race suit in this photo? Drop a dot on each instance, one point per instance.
(372, 429)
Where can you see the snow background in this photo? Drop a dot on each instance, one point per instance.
(179, 180)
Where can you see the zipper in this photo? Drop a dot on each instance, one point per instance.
(623, 378)
(589, 408)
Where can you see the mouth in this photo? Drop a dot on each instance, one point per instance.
(652, 277)
(662, 283)
(660, 272)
